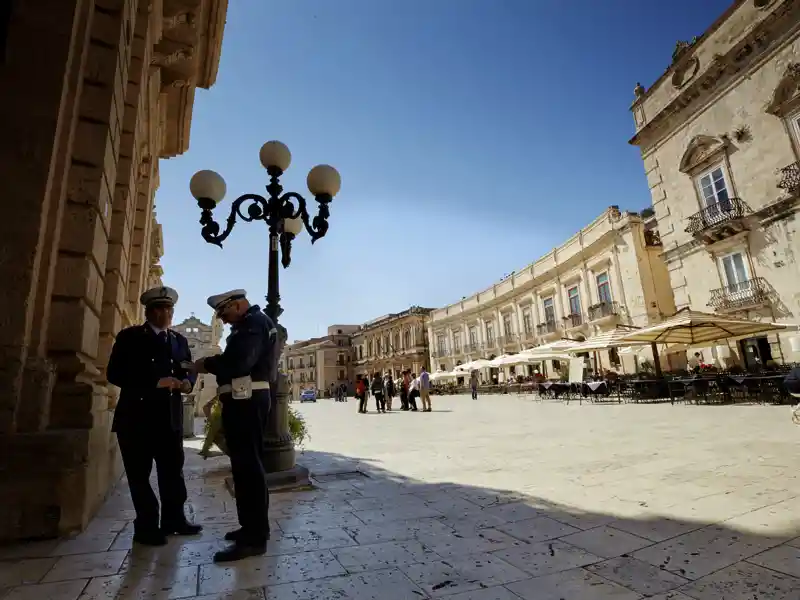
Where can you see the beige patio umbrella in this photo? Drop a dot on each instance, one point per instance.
(695, 328)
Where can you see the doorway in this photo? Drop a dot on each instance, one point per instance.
(756, 352)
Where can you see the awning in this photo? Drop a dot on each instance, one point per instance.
(695, 328)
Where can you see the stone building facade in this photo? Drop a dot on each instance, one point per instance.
(719, 134)
(393, 343)
(203, 341)
(608, 274)
(92, 94)
(320, 363)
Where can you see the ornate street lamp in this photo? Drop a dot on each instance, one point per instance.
(285, 215)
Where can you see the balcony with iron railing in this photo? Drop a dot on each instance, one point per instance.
(547, 328)
(719, 220)
(744, 294)
(507, 340)
(604, 310)
(789, 178)
(490, 343)
(573, 320)
(472, 348)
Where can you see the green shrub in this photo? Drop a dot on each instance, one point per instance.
(215, 435)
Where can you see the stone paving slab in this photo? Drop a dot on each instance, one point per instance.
(505, 498)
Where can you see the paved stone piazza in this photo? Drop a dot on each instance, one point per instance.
(499, 499)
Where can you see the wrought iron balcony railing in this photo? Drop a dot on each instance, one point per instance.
(744, 293)
(790, 178)
(718, 213)
(573, 320)
(546, 327)
(471, 348)
(602, 310)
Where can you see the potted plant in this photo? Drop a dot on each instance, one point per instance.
(215, 435)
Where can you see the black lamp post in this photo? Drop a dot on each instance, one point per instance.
(285, 215)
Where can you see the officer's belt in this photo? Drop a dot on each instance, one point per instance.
(256, 385)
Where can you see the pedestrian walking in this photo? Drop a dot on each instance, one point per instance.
(388, 386)
(405, 383)
(378, 392)
(361, 393)
(243, 373)
(425, 389)
(413, 391)
(146, 364)
(473, 384)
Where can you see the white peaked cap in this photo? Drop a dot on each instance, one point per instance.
(159, 295)
(216, 301)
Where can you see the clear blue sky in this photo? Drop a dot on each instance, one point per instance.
(472, 137)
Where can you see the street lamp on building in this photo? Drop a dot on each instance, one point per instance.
(286, 215)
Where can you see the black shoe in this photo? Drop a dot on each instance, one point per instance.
(150, 538)
(184, 528)
(239, 551)
(236, 535)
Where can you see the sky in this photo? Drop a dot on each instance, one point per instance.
(472, 137)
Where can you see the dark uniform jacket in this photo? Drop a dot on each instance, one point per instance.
(249, 350)
(138, 360)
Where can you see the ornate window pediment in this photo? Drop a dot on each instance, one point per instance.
(700, 150)
(786, 91)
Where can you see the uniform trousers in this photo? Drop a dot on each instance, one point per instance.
(243, 422)
(139, 451)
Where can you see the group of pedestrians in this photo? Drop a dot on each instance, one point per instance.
(384, 388)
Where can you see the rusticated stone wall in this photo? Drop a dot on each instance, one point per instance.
(92, 94)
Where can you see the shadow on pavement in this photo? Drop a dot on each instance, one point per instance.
(737, 545)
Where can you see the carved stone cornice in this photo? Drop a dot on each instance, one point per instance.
(166, 60)
(187, 18)
(786, 91)
(721, 70)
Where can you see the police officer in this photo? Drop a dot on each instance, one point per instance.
(243, 373)
(145, 364)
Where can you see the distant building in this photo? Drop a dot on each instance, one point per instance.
(393, 343)
(319, 363)
(203, 341)
(608, 274)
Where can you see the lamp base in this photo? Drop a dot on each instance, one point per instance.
(279, 453)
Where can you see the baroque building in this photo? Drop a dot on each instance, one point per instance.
(203, 341)
(93, 94)
(719, 135)
(607, 275)
(393, 343)
(320, 363)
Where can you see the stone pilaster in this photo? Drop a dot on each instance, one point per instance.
(79, 402)
(30, 122)
(133, 158)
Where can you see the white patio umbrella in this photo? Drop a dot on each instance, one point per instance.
(556, 346)
(474, 365)
(604, 341)
(695, 328)
(512, 359)
(436, 376)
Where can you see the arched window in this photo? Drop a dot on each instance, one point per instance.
(407, 339)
